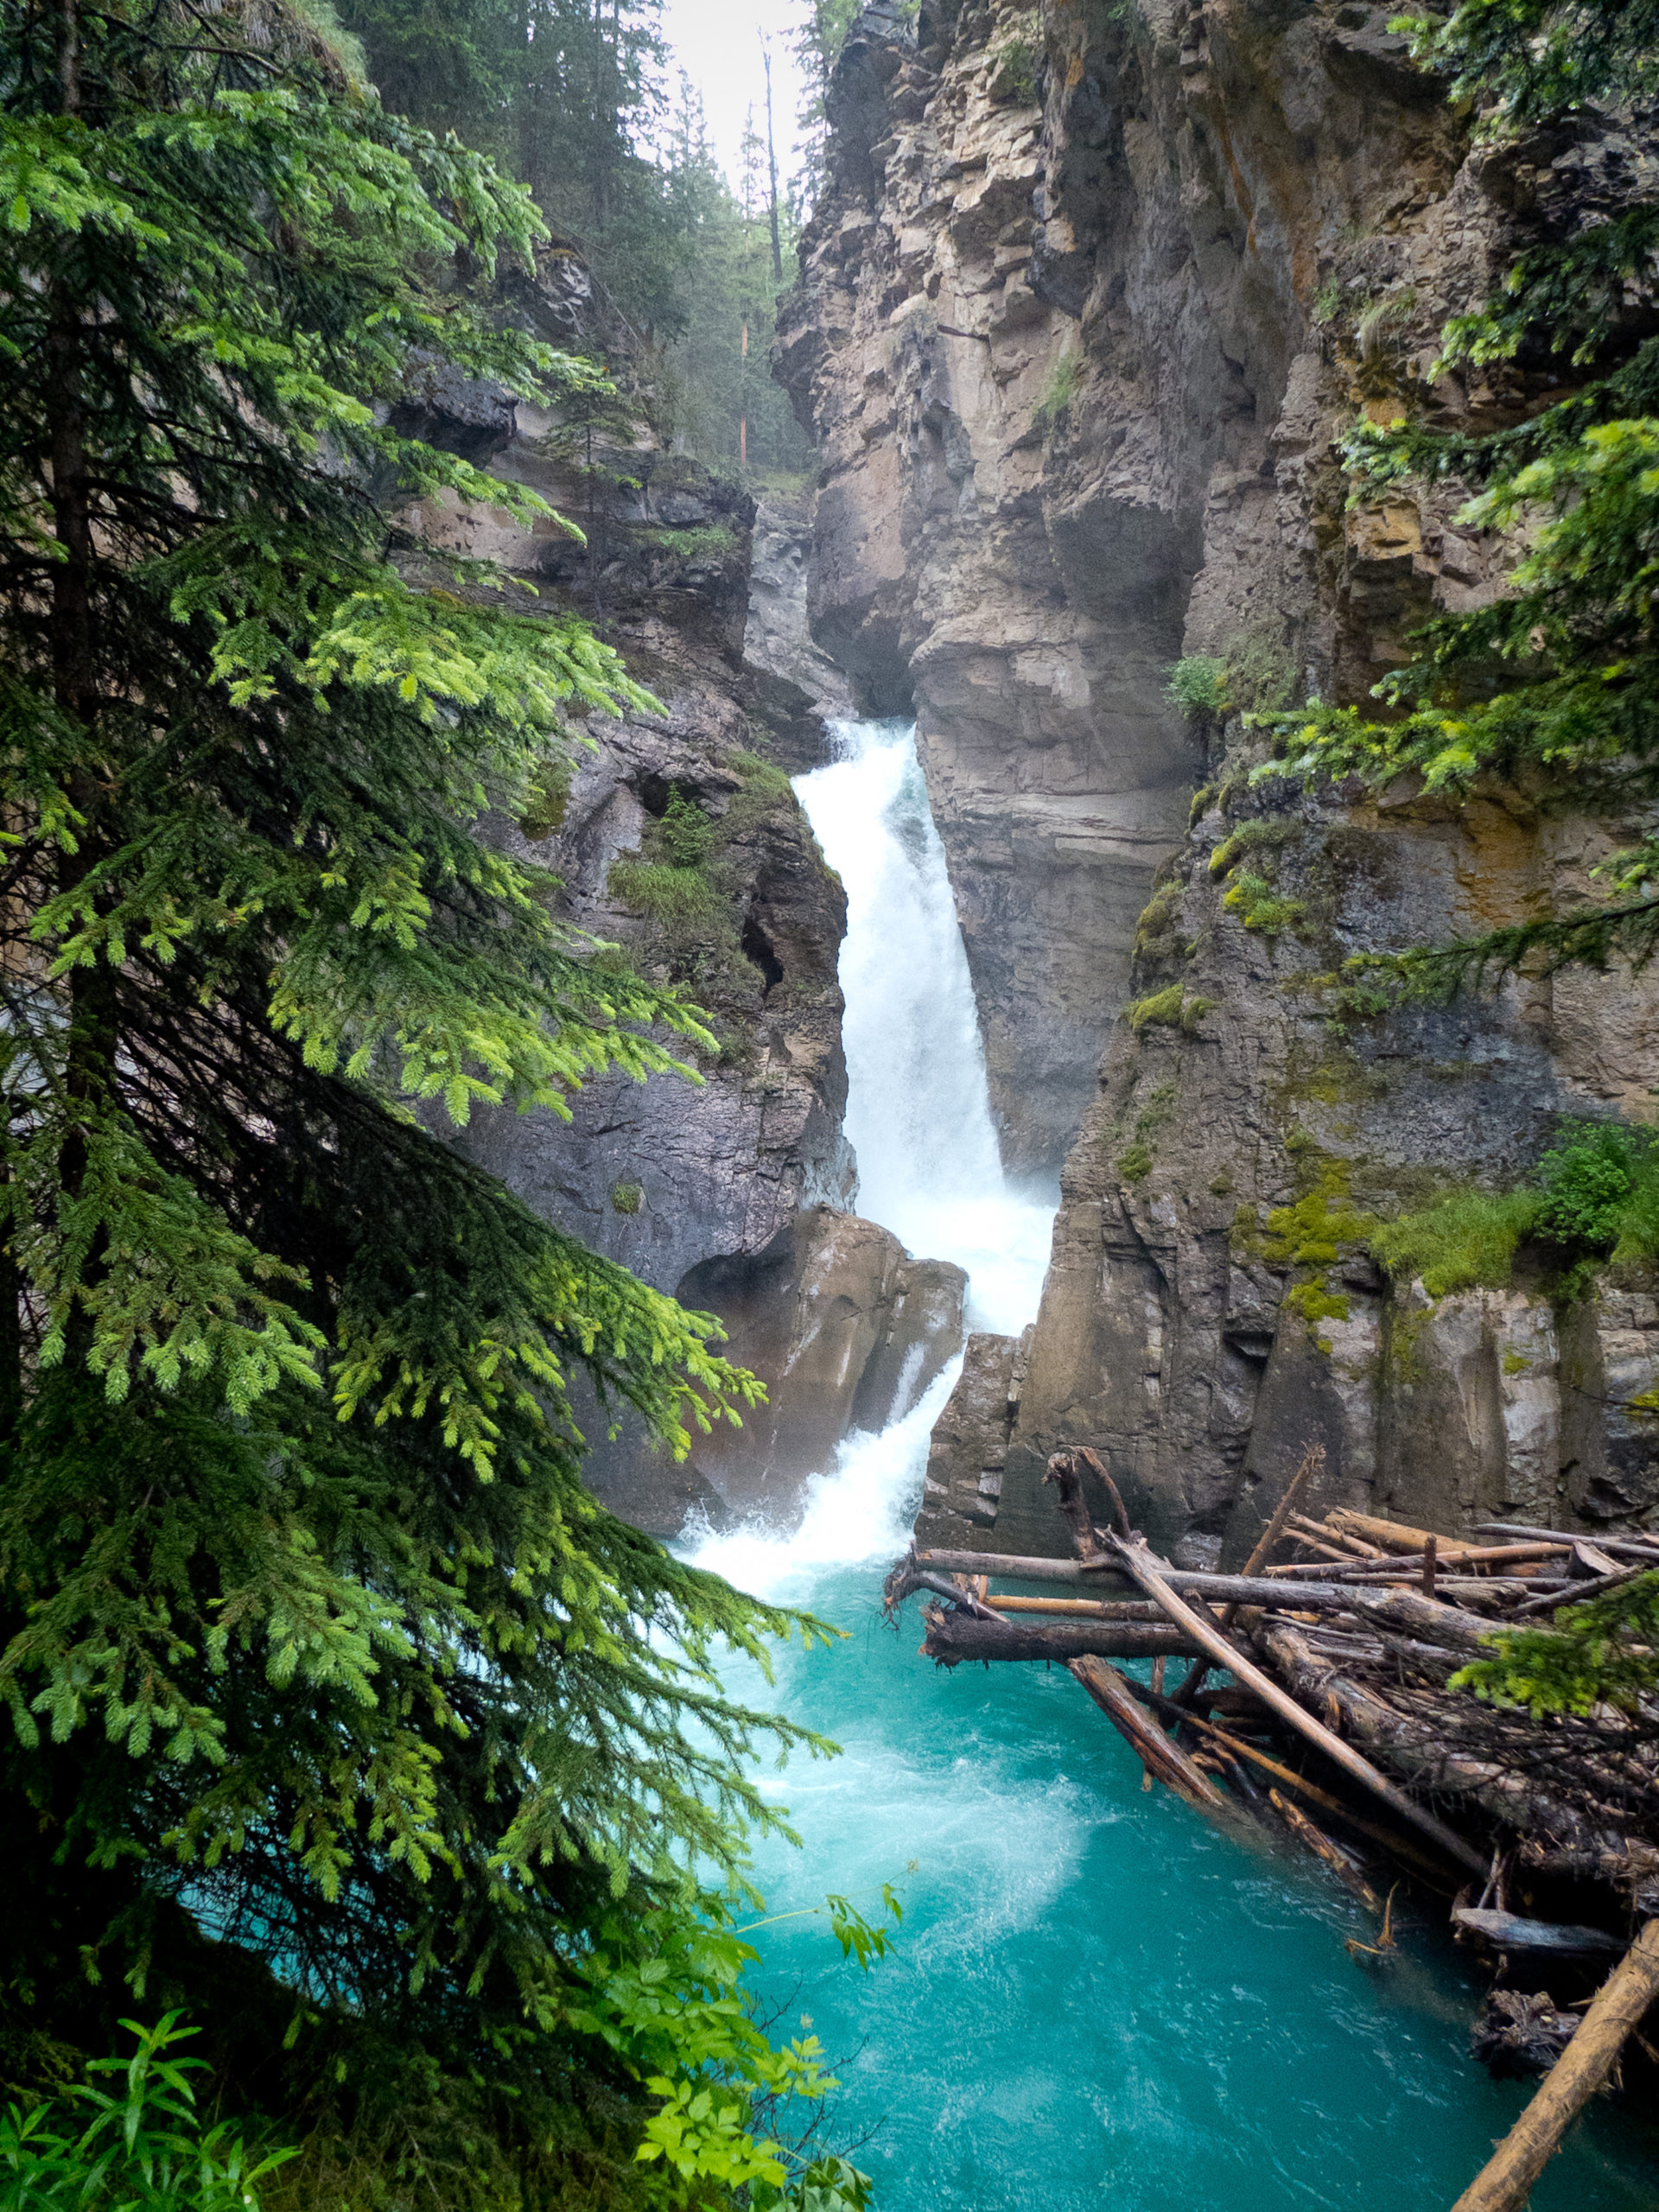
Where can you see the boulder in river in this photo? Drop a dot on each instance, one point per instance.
(847, 1331)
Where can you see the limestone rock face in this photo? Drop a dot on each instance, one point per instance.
(846, 1330)
(778, 636)
(1094, 293)
(963, 1487)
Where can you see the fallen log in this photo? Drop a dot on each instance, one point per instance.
(1574, 1593)
(1092, 1609)
(1244, 1590)
(1157, 1752)
(1314, 1838)
(1237, 1747)
(1393, 1535)
(1508, 1931)
(1505, 2183)
(1444, 1625)
(953, 1638)
(1419, 1748)
(1210, 1640)
(1635, 1548)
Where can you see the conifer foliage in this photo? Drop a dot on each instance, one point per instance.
(305, 1616)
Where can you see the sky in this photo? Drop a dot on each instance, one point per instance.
(717, 43)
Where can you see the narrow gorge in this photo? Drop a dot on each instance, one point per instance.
(1090, 304)
(829, 1171)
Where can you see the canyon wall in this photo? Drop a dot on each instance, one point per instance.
(1092, 295)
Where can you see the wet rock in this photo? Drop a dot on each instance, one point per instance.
(778, 637)
(846, 1330)
(963, 1488)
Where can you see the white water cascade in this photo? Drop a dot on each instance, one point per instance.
(918, 1118)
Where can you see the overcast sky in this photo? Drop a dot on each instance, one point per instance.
(717, 43)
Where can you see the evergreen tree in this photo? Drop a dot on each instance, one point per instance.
(1557, 685)
(307, 1623)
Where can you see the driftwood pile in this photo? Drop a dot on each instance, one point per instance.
(1341, 1637)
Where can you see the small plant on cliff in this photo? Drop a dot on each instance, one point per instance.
(1558, 683)
(1467, 1242)
(1198, 685)
(1593, 1197)
(1064, 383)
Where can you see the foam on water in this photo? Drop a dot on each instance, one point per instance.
(1097, 2000)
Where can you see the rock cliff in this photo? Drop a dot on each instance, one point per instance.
(1093, 293)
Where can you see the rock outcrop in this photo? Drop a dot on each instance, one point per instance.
(1093, 295)
(849, 1330)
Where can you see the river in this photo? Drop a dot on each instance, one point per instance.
(1094, 1998)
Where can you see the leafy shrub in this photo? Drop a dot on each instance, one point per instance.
(142, 2149)
(1198, 685)
(1466, 1243)
(685, 834)
(1601, 1189)
(672, 2013)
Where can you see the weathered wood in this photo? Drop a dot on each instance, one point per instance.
(1352, 1763)
(953, 1638)
(1311, 1460)
(1112, 1490)
(1314, 1838)
(1634, 1547)
(1505, 2183)
(1095, 1609)
(1062, 1471)
(1393, 1535)
(1574, 1593)
(1237, 1747)
(1445, 1625)
(1508, 1931)
(1418, 1747)
(1157, 1752)
(919, 1578)
(1247, 1590)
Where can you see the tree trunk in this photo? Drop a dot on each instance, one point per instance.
(952, 1637)
(1506, 2181)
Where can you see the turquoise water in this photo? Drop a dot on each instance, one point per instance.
(1095, 1999)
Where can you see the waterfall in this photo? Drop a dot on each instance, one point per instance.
(1096, 1999)
(918, 1113)
(918, 1117)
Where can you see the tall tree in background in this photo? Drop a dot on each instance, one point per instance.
(818, 42)
(571, 97)
(309, 1632)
